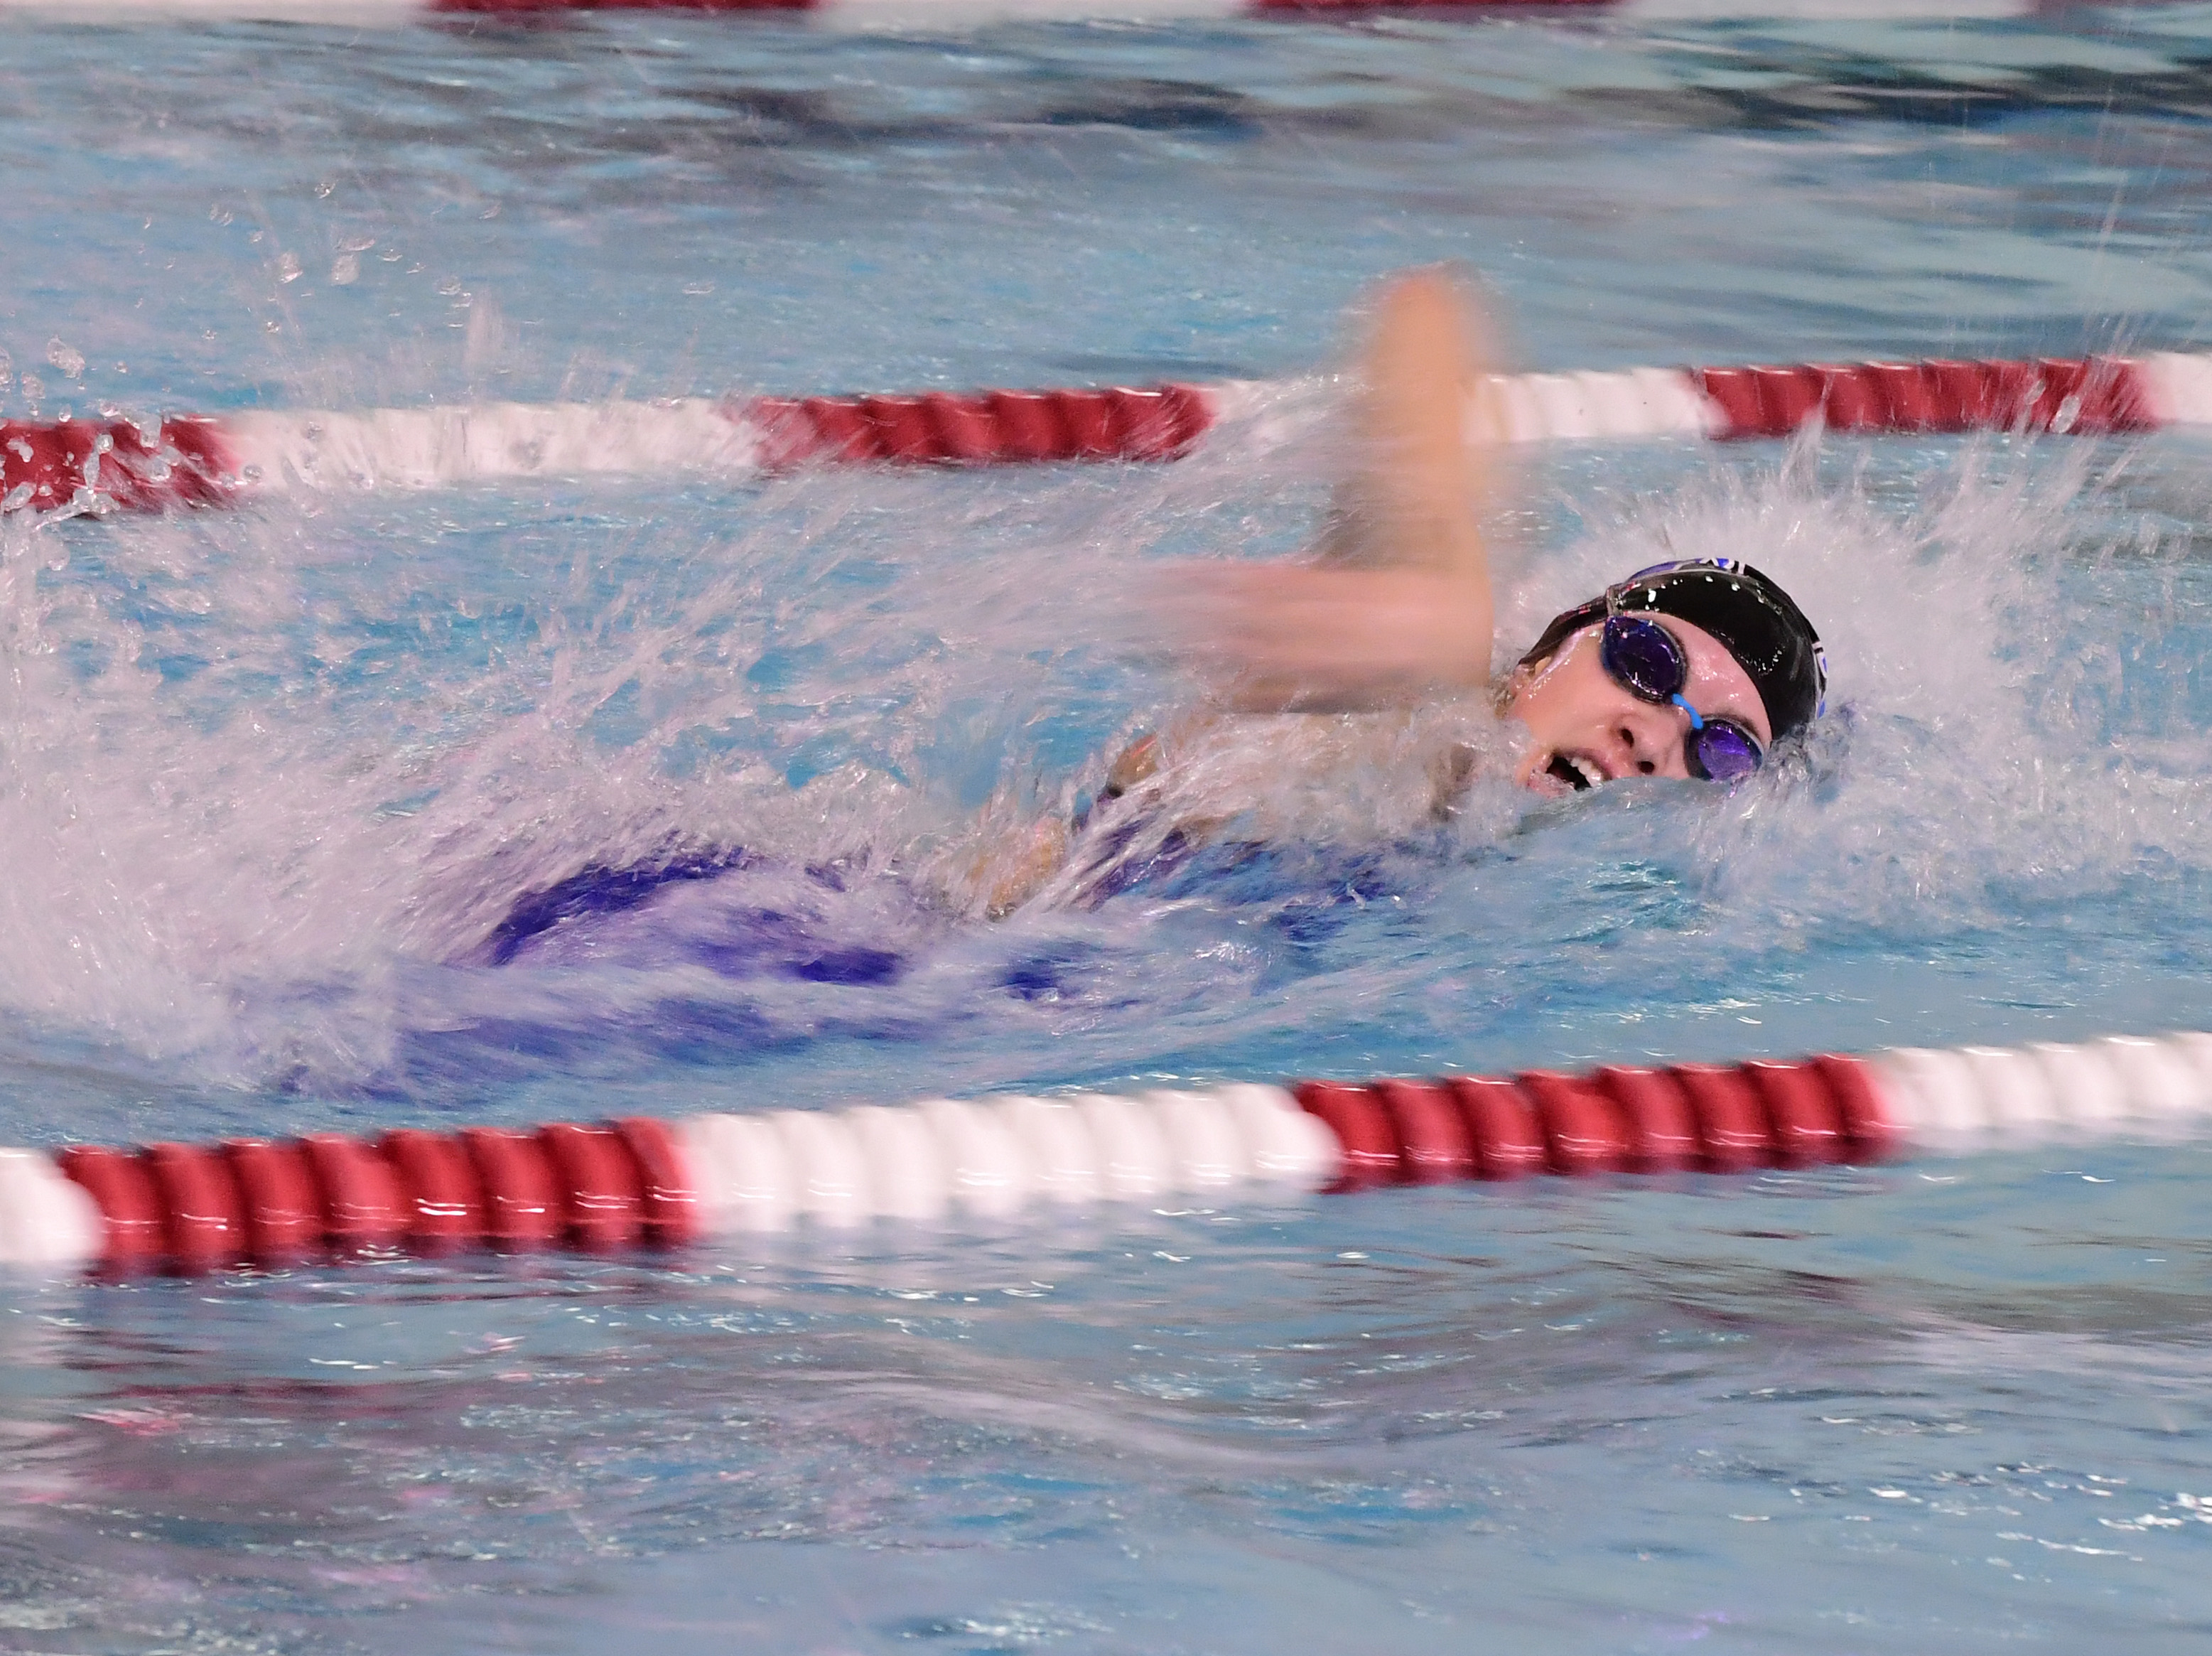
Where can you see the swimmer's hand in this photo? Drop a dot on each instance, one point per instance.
(1398, 606)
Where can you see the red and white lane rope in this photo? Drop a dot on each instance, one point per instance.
(643, 1182)
(966, 14)
(205, 460)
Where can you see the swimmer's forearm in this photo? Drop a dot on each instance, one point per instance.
(1418, 497)
(1309, 640)
(1398, 605)
(1423, 450)
(1421, 369)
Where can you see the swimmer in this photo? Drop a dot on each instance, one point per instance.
(1697, 669)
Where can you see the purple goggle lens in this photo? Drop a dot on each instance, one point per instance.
(1723, 751)
(1646, 660)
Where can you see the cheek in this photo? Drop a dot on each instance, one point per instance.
(1565, 702)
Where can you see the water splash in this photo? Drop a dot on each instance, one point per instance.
(271, 782)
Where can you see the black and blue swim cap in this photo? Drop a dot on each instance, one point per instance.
(1755, 621)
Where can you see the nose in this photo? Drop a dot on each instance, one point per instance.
(1650, 740)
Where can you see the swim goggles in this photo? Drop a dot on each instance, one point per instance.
(1647, 660)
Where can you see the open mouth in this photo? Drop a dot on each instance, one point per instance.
(1576, 771)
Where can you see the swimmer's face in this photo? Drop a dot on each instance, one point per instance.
(1588, 729)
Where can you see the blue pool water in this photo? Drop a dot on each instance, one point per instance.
(271, 780)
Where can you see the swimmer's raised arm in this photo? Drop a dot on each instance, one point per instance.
(1398, 605)
(1691, 669)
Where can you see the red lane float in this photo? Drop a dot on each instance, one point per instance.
(357, 1192)
(1119, 422)
(73, 466)
(183, 461)
(1663, 1135)
(613, 1185)
(973, 11)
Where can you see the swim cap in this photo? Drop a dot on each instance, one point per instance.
(1752, 616)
